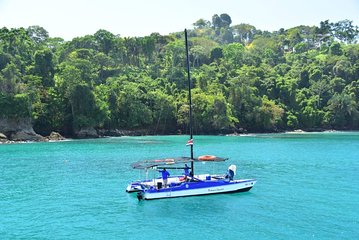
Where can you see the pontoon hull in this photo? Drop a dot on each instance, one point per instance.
(199, 188)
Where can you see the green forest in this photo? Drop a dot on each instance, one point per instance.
(244, 79)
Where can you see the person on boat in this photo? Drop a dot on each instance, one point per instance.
(186, 171)
(231, 172)
(229, 175)
(165, 175)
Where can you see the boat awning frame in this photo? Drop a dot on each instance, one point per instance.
(147, 164)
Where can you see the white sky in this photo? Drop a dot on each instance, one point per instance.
(74, 18)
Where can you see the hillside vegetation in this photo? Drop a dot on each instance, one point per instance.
(244, 79)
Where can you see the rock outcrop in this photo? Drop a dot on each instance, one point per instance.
(19, 129)
(3, 138)
(55, 136)
(86, 133)
(26, 135)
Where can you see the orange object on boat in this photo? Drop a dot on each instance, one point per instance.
(207, 158)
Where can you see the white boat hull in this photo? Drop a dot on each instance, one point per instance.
(200, 188)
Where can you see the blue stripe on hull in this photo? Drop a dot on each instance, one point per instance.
(212, 193)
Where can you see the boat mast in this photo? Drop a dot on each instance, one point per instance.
(189, 98)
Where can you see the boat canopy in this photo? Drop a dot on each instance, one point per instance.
(146, 164)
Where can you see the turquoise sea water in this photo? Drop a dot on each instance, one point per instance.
(308, 188)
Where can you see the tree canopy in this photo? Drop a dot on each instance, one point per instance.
(243, 78)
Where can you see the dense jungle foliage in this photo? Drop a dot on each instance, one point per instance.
(243, 79)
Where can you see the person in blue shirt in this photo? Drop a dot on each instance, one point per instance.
(186, 172)
(165, 175)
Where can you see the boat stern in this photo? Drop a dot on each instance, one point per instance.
(134, 187)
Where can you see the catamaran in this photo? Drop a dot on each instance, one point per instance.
(187, 184)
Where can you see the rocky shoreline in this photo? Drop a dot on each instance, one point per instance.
(21, 136)
(21, 130)
(31, 136)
